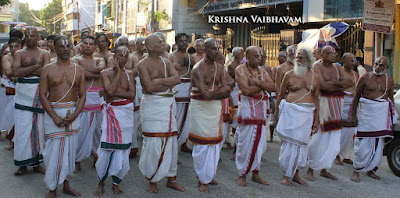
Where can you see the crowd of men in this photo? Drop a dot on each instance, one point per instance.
(61, 104)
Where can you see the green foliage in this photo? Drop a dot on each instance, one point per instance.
(4, 2)
(48, 14)
(26, 16)
(161, 15)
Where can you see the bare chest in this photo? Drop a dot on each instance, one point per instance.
(28, 59)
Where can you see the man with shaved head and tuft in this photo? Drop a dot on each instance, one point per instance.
(63, 95)
(376, 118)
(348, 131)
(119, 92)
(209, 87)
(324, 145)
(254, 81)
(159, 156)
(285, 67)
(29, 139)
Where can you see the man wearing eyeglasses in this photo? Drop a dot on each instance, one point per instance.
(376, 117)
(325, 144)
(103, 43)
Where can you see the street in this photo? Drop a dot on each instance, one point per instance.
(134, 184)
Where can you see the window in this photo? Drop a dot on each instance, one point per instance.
(343, 9)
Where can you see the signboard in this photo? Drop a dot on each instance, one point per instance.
(226, 5)
(378, 15)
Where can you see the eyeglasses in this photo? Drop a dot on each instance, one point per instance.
(300, 58)
(331, 53)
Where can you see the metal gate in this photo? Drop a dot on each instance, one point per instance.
(353, 40)
(270, 42)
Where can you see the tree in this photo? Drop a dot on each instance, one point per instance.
(25, 15)
(52, 12)
(4, 2)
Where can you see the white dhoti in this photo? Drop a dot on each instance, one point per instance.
(294, 129)
(159, 155)
(347, 134)
(29, 137)
(252, 140)
(235, 97)
(60, 149)
(90, 119)
(6, 120)
(205, 131)
(116, 138)
(182, 98)
(375, 121)
(325, 144)
(136, 110)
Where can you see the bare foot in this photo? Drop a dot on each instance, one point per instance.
(203, 187)
(355, 177)
(298, 180)
(39, 169)
(21, 171)
(256, 178)
(241, 181)
(116, 190)
(233, 156)
(310, 175)
(213, 182)
(348, 161)
(179, 162)
(100, 189)
(133, 152)
(286, 181)
(10, 147)
(95, 158)
(152, 187)
(176, 186)
(373, 176)
(185, 149)
(327, 174)
(337, 161)
(69, 191)
(77, 167)
(52, 194)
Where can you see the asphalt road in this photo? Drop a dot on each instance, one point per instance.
(134, 184)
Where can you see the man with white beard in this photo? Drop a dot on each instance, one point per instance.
(348, 131)
(285, 67)
(299, 113)
(376, 117)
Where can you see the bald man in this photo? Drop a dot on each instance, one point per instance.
(298, 116)
(348, 131)
(117, 125)
(238, 55)
(159, 154)
(209, 87)
(91, 117)
(285, 67)
(132, 46)
(42, 44)
(62, 94)
(29, 139)
(325, 144)
(281, 60)
(376, 118)
(254, 82)
(132, 62)
(199, 47)
(103, 43)
(140, 48)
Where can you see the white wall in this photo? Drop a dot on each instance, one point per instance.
(313, 10)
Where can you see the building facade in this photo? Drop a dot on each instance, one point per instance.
(78, 15)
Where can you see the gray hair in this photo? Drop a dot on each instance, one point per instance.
(310, 58)
(237, 50)
(198, 40)
(290, 47)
